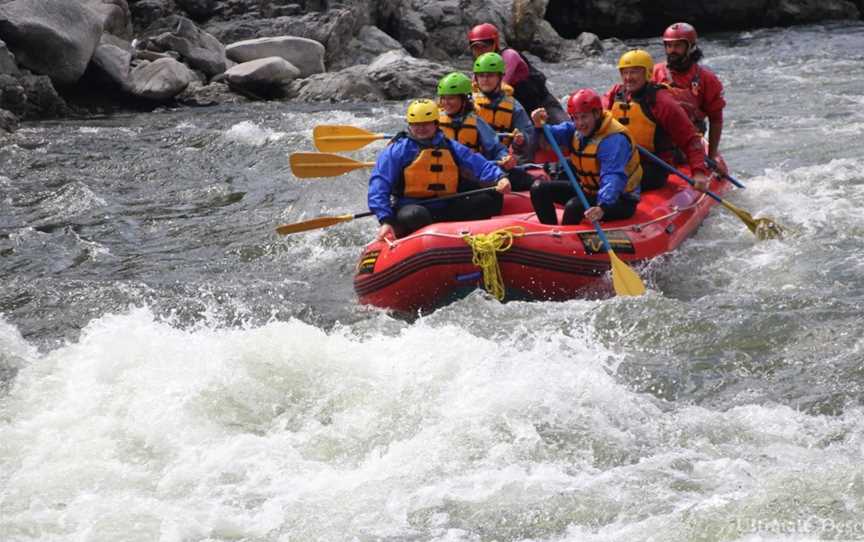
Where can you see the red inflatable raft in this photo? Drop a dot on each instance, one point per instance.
(433, 266)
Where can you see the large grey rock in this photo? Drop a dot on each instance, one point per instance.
(197, 48)
(399, 76)
(263, 74)
(334, 28)
(305, 54)
(7, 60)
(214, 93)
(369, 42)
(114, 15)
(113, 62)
(160, 80)
(8, 121)
(31, 97)
(351, 84)
(51, 37)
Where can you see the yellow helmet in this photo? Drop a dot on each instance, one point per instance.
(422, 111)
(637, 58)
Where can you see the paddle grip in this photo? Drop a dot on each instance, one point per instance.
(671, 169)
(713, 165)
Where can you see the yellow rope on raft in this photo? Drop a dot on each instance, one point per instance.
(486, 247)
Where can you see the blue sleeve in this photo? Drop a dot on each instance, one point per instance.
(613, 154)
(387, 171)
(489, 142)
(563, 133)
(522, 122)
(483, 170)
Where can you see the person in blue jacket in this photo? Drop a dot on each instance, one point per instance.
(460, 122)
(423, 164)
(604, 158)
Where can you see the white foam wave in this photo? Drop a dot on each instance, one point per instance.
(431, 431)
(250, 133)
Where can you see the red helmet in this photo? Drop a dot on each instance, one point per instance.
(584, 100)
(680, 32)
(484, 32)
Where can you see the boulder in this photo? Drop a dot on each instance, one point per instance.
(8, 121)
(197, 48)
(114, 15)
(333, 28)
(31, 97)
(51, 37)
(399, 76)
(160, 80)
(7, 60)
(305, 54)
(365, 47)
(113, 62)
(198, 95)
(350, 84)
(263, 77)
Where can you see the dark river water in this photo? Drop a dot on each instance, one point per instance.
(173, 370)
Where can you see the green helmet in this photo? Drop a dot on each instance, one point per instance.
(454, 84)
(489, 63)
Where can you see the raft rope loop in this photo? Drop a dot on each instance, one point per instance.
(485, 248)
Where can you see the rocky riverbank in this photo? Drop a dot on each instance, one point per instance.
(66, 57)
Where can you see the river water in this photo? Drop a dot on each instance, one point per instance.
(173, 370)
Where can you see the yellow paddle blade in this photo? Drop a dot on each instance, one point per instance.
(336, 138)
(762, 228)
(318, 164)
(625, 281)
(313, 224)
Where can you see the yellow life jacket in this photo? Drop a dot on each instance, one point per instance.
(465, 132)
(636, 116)
(499, 117)
(586, 164)
(433, 173)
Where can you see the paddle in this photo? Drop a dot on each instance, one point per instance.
(335, 138)
(338, 138)
(713, 165)
(319, 164)
(325, 221)
(762, 228)
(624, 279)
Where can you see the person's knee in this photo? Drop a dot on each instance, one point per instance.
(537, 187)
(573, 212)
(413, 217)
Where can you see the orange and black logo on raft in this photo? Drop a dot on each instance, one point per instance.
(618, 240)
(366, 265)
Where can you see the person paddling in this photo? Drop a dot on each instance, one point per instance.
(655, 120)
(696, 87)
(528, 83)
(421, 164)
(503, 113)
(604, 158)
(460, 122)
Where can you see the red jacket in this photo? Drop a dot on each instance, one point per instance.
(672, 119)
(702, 84)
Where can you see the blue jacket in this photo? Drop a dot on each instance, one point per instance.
(613, 154)
(391, 163)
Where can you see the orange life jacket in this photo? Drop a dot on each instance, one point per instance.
(465, 131)
(433, 173)
(586, 164)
